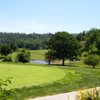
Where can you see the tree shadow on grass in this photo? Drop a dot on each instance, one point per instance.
(66, 65)
(69, 65)
(90, 67)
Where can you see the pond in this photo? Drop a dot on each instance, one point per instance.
(38, 62)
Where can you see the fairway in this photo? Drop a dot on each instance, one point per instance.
(35, 54)
(28, 75)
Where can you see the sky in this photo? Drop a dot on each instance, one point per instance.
(43, 16)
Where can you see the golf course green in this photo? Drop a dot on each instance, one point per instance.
(28, 75)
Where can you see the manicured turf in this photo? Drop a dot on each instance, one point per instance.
(38, 54)
(56, 79)
(28, 75)
(77, 77)
(35, 54)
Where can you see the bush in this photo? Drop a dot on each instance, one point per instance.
(1, 57)
(7, 59)
(23, 56)
(5, 50)
(5, 94)
(92, 60)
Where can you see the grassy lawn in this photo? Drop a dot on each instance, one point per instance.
(35, 54)
(42, 80)
(28, 75)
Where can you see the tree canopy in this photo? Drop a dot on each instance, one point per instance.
(65, 45)
(92, 60)
(30, 41)
(5, 50)
(23, 56)
(92, 40)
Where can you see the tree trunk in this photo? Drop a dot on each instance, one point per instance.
(63, 62)
(93, 66)
(49, 62)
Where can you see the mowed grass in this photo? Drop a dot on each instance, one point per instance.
(42, 80)
(35, 54)
(77, 77)
(38, 54)
(28, 75)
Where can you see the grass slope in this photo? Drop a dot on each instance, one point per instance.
(35, 54)
(73, 76)
(28, 75)
(77, 77)
(38, 54)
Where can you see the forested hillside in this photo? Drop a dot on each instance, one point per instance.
(28, 41)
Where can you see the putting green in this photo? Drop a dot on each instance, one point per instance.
(28, 75)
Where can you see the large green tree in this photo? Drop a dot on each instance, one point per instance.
(5, 50)
(92, 41)
(65, 45)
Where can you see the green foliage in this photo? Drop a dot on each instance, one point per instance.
(31, 41)
(23, 56)
(65, 46)
(92, 41)
(5, 50)
(50, 56)
(13, 46)
(7, 59)
(92, 60)
(98, 45)
(5, 94)
(81, 36)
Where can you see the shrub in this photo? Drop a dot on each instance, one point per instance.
(5, 94)
(92, 60)
(23, 56)
(7, 59)
(5, 50)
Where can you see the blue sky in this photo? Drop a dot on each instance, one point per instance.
(43, 16)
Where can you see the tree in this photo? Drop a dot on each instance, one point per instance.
(64, 44)
(91, 43)
(27, 41)
(98, 45)
(7, 59)
(81, 36)
(74, 49)
(92, 60)
(5, 50)
(13, 46)
(50, 56)
(23, 56)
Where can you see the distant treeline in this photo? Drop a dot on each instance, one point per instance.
(32, 41)
(90, 40)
